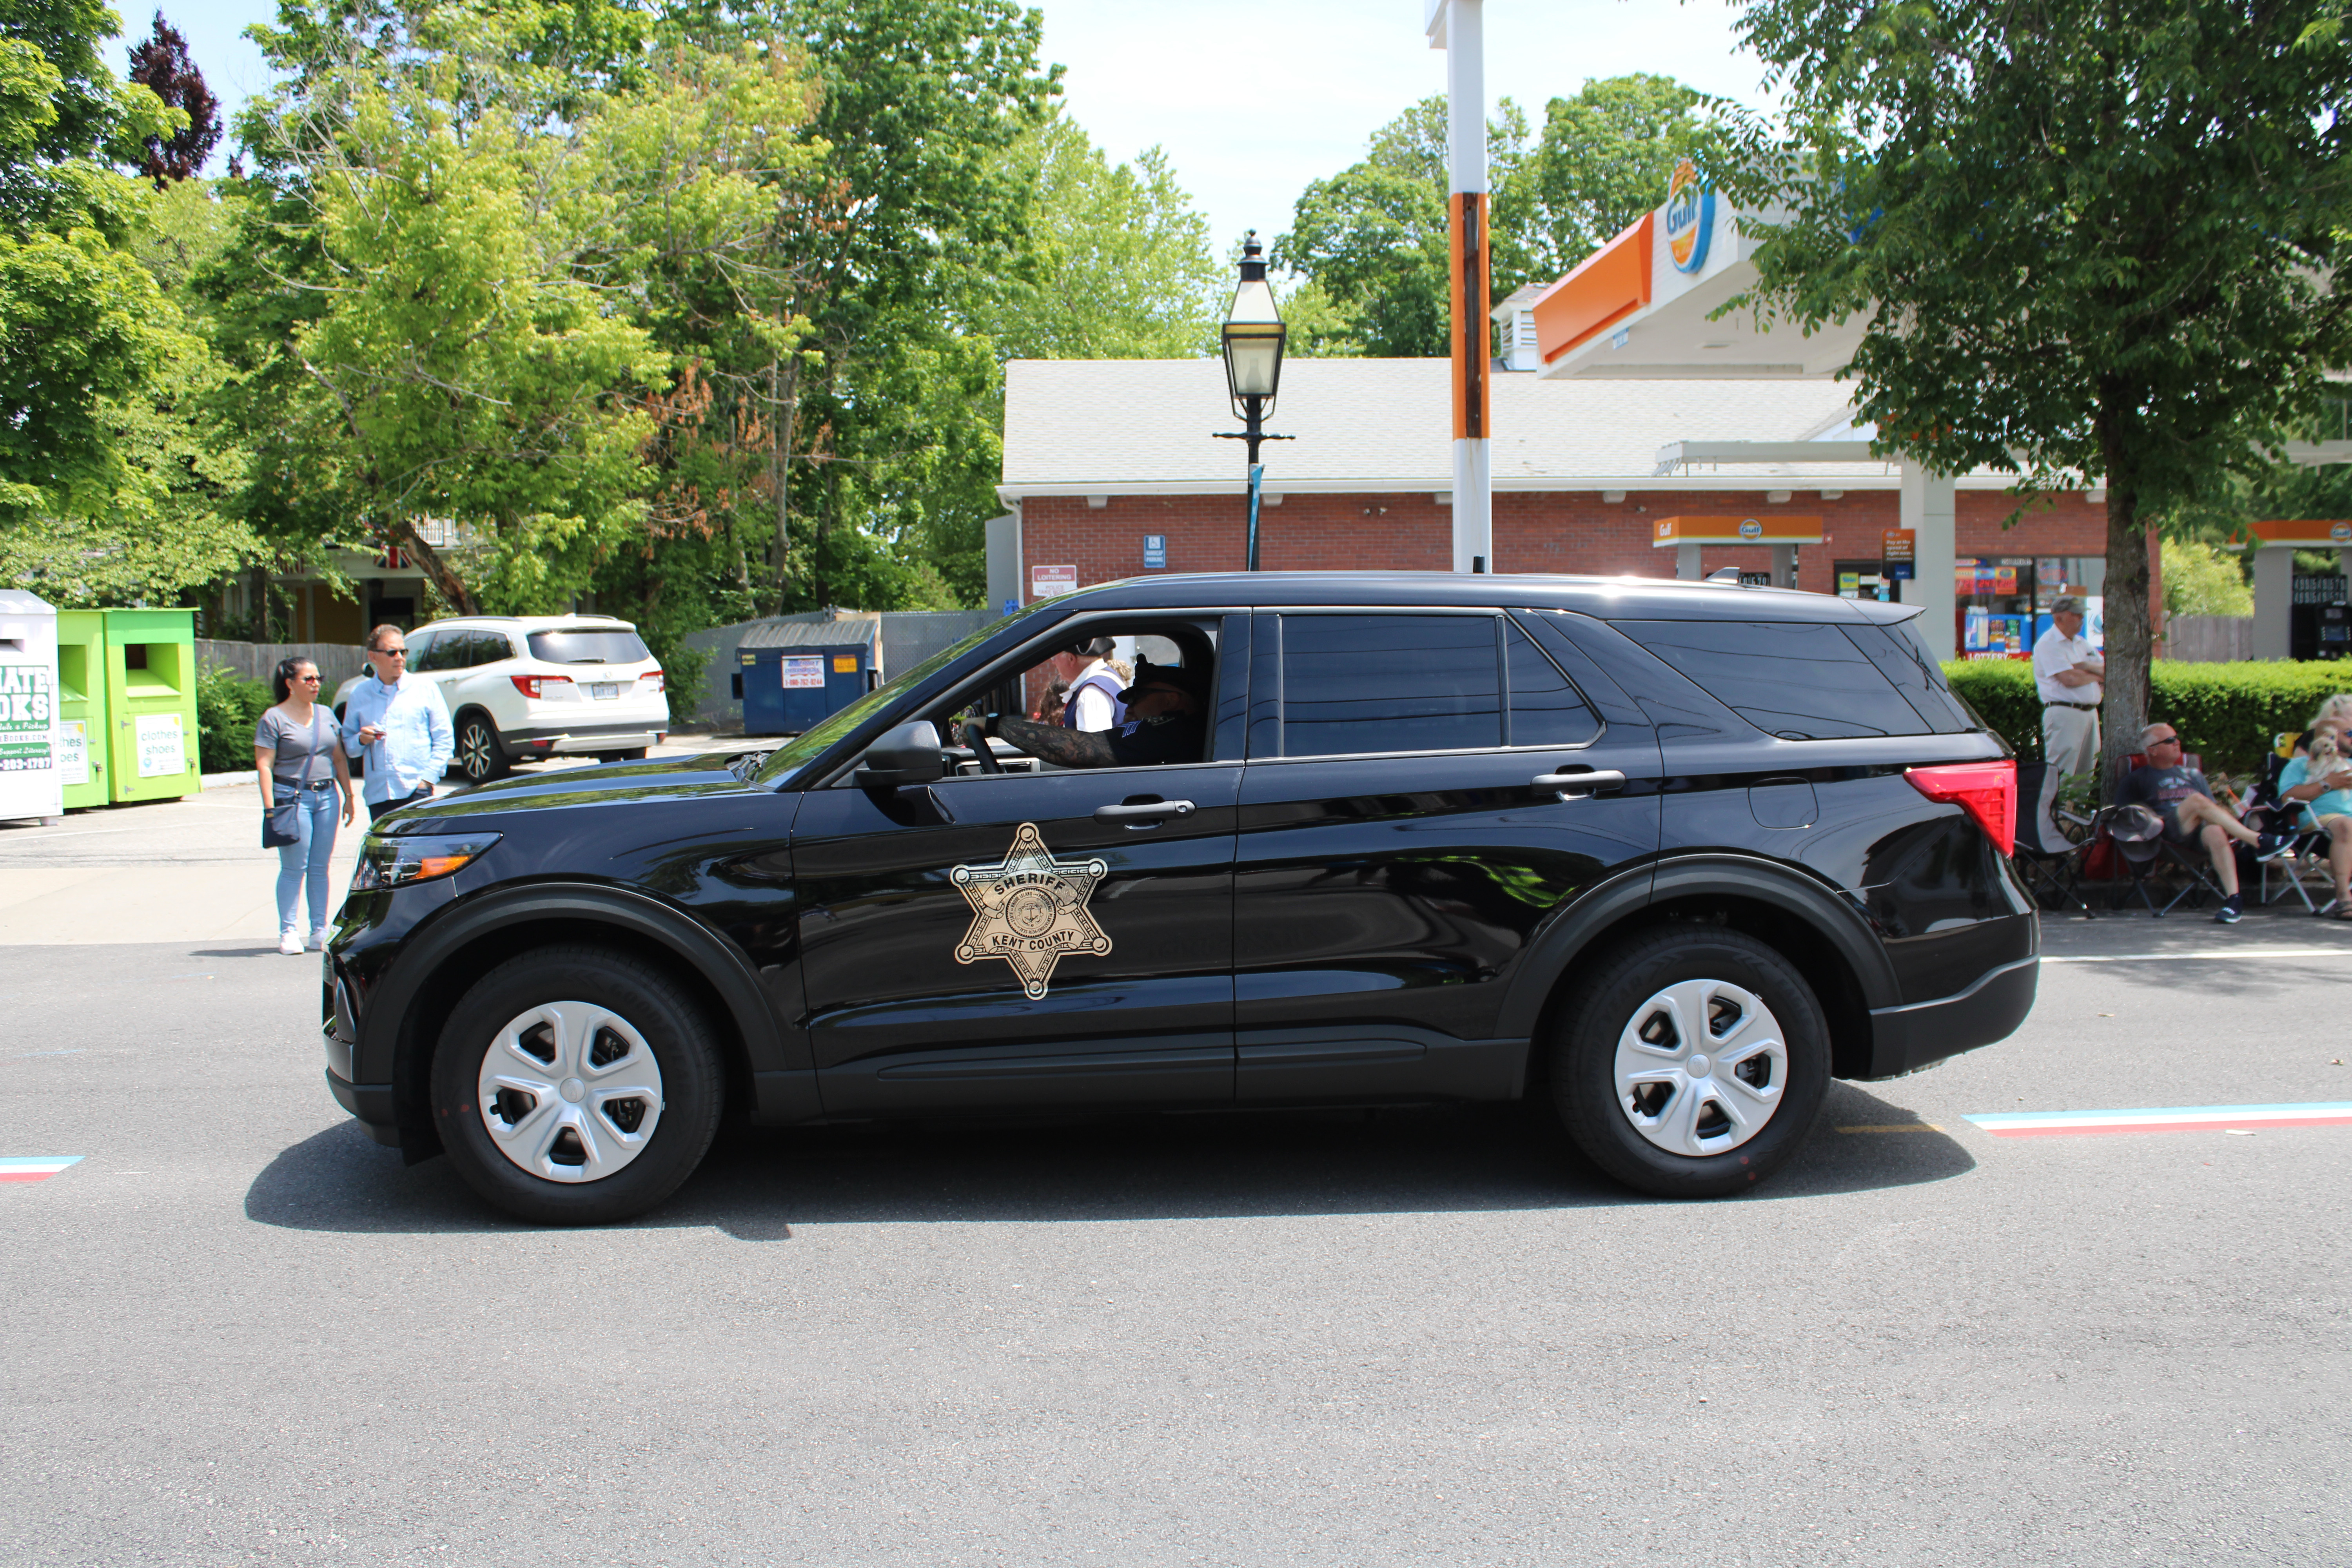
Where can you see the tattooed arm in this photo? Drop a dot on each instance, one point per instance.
(1052, 743)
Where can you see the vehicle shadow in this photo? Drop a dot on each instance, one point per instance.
(758, 1183)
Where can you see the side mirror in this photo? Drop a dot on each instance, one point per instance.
(909, 754)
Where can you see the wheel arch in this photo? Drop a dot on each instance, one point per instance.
(1826, 939)
(411, 1006)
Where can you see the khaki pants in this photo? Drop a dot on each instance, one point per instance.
(2069, 739)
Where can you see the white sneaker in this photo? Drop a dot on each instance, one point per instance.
(319, 940)
(289, 942)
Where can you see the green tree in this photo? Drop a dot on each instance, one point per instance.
(1117, 264)
(421, 300)
(2204, 579)
(1374, 241)
(1605, 157)
(2093, 240)
(81, 323)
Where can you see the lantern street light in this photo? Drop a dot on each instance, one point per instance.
(1254, 336)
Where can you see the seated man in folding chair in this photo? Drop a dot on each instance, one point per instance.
(2179, 794)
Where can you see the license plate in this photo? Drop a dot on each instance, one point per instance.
(604, 692)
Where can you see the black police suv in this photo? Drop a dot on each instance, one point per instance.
(1673, 855)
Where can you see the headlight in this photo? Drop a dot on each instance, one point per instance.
(417, 857)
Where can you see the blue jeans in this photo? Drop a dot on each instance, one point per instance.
(305, 859)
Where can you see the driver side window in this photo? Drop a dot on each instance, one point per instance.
(1063, 704)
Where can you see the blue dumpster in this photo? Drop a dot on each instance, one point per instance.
(792, 675)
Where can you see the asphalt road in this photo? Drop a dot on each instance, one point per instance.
(238, 1331)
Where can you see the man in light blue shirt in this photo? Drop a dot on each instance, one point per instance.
(402, 721)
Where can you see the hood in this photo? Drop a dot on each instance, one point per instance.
(605, 784)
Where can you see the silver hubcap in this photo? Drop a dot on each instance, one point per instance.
(1701, 1067)
(569, 1091)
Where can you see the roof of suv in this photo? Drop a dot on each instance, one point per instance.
(1608, 598)
(542, 621)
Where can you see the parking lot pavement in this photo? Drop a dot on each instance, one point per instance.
(240, 1331)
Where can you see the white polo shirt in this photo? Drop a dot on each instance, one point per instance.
(2054, 652)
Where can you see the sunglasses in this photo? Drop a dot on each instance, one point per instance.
(2166, 741)
(392, 652)
(308, 679)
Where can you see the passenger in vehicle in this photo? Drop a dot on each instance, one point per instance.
(1166, 722)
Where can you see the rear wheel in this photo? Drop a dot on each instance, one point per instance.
(1690, 1062)
(576, 1085)
(480, 757)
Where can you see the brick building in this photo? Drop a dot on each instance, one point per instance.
(1102, 456)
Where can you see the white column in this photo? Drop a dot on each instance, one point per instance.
(1784, 566)
(1928, 507)
(2274, 599)
(1686, 561)
(1458, 27)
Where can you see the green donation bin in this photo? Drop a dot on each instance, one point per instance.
(150, 699)
(82, 729)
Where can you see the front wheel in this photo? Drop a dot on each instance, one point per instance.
(1690, 1062)
(576, 1085)
(480, 757)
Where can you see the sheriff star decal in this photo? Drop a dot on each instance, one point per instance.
(1030, 911)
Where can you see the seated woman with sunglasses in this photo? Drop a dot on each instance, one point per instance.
(297, 750)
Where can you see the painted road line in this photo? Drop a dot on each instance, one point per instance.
(1897, 1127)
(2229, 953)
(33, 1167)
(2175, 1119)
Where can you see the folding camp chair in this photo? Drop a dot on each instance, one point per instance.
(2048, 861)
(2139, 840)
(2266, 812)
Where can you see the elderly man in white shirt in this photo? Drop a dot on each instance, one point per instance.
(1094, 686)
(2067, 674)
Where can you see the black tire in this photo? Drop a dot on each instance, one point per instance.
(671, 1024)
(480, 757)
(1602, 1006)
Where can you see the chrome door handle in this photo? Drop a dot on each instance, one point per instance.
(1144, 814)
(1575, 786)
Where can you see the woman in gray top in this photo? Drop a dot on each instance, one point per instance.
(297, 750)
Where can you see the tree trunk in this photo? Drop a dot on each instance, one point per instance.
(783, 422)
(2123, 710)
(446, 581)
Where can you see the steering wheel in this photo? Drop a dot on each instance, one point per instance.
(975, 735)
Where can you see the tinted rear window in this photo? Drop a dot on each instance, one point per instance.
(588, 648)
(1902, 656)
(1389, 683)
(1799, 680)
(1545, 708)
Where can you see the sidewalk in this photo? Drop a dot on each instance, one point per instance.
(190, 870)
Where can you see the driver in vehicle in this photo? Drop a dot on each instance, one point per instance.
(1166, 722)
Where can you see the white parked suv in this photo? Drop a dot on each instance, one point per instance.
(525, 687)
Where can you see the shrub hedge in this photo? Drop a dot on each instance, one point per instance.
(227, 706)
(2226, 712)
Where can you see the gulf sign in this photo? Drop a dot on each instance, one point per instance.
(1668, 531)
(1689, 214)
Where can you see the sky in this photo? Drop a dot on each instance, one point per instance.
(1252, 100)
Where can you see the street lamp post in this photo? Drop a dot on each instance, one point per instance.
(1254, 335)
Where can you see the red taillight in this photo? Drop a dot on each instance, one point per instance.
(534, 686)
(1986, 791)
(651, 682)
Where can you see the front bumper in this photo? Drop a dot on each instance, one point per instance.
(369, 1104)
(1905, 1039)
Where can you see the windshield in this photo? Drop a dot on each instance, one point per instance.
(588, 648)
(797, 753)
